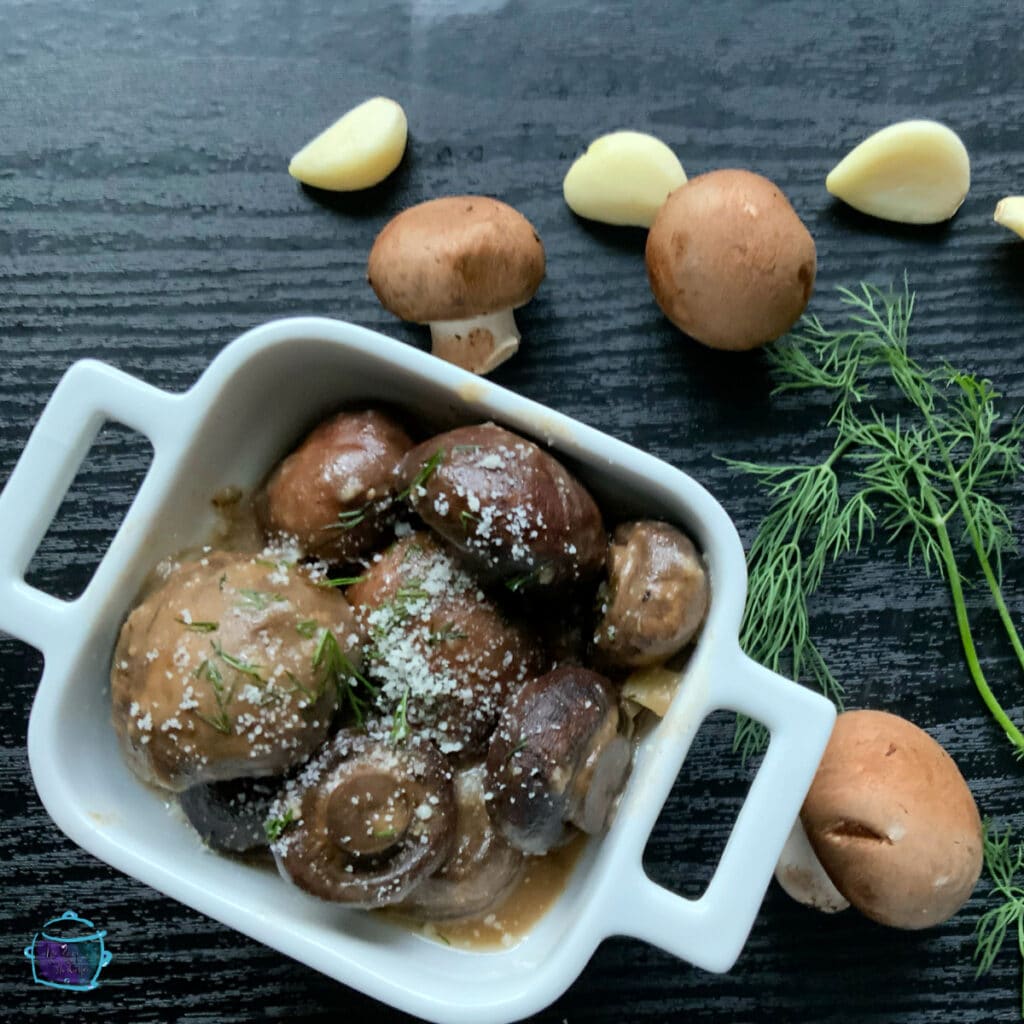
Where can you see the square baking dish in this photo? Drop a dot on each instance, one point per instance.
(251, 405)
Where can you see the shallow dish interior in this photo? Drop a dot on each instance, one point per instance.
(242, 416)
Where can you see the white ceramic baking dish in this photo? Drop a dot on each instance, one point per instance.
(254, 401)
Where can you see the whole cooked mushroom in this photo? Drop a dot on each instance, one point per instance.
(558, 758)
(482, 868)
(508, 506)
(461, 264)
(444, 657)
(892, 821)
(230, 668)
(229, 816)
(367, 820)
(334, 491)
(656, 597)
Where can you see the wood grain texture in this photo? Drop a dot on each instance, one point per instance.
(146, 219)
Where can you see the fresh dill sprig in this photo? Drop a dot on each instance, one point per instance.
(198, 627)
(221, 721)
(333, 668)
(401, 730)
(426, 470)
(1003, 862)
(340, 581)
(236, 663)
(349, 519)
(925, 475)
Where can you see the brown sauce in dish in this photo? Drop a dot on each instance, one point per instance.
(544, 881)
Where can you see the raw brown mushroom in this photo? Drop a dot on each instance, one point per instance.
(228, 670)
(509, 507)
(461, 264)
(334, 491)
(443, 654)
(558, 758)
(482, 869)
(893, 822)
(656, 597)
(367, 820)
(729, 261)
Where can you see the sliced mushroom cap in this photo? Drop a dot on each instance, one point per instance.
(656, 598)
(510, 508)
(558, 758)
(367, 820)
(482, 869)
(438, 645)
(460, 264)
(229, 670)
(333, 493)
(893, 822)
(229, 816)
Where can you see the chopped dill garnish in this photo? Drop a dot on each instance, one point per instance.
(450, 632)
(384, 833)
(516, 583)
(199, 627)
(334, 668)
(341, 581)
(466, 518)
(349, 519)
(520, 746)
(221, 721)
(400, 730)
(307, 628)
(220, 583)
(274, 827)
(259, 599)
(425, 472)
(236, 663)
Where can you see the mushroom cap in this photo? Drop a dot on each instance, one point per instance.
(657, 594)
(230, 815)
(369, 821)
(558, 758)
(216, 676)
(508, 506)
(893, 822)
(455, 258)
(729, 261)
(333, 492)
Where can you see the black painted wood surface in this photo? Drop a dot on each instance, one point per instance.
(146, 218)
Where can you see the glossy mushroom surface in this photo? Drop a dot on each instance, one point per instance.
(367, 820)
(657, 595)
(437, 647)
(333, 494)
(511, 509)
(229, 669)
(230, 816)
(483, 867)
(557, 760)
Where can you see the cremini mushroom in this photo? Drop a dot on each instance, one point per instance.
(482, 869)
(656, 597)
(367, 820)
(229, 816)
(557, 760)
(460, 264)
(229, 669)
(893, 822)
(334, 492)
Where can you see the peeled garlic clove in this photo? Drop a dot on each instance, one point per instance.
(652, 688)
(359, 150)
(623, 178)
(1010, 213)
(913, 172)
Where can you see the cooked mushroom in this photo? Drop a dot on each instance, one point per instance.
(367, 821)
(334, 491)
(230, 816)
(443, 655)
(893, 822)
(461, 264)
(656, 597)
(229, 670)
(482, 869)
(558, 758)
(508, 506)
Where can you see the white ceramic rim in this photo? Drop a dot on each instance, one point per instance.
(620, 898)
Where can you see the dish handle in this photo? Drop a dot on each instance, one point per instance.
(711, 931)
(88, 395)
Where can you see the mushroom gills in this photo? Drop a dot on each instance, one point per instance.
(479, 343)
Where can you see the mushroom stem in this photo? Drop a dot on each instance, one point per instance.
(478, 344)
(804, 878)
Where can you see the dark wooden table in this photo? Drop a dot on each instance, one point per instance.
(146, 219)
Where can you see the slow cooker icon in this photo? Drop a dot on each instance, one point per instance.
(68, 952)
